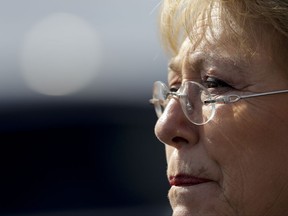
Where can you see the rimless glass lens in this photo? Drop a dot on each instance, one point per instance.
(197, 103)
(193, 98)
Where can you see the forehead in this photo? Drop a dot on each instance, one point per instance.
(209, 45)
(212, 32)
(208, 53)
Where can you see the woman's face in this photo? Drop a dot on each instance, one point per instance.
(236, 164)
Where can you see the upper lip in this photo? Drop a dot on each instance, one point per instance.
(186, 180)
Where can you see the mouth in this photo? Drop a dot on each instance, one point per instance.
(186, 180)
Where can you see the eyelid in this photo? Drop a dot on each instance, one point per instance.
(173, 89)
(218, 81)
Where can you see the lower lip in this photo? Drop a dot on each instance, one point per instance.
(186, 180)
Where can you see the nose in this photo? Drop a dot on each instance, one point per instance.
(174, 129)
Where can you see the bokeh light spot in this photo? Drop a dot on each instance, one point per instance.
(61, 55)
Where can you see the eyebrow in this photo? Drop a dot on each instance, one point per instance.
(198, 60)
(235, 64)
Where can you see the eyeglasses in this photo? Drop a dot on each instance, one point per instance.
(197, 103)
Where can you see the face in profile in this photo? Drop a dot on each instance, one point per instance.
(236, 164)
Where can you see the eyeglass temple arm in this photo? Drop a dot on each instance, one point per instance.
(234, 98)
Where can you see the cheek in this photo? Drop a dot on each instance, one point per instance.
(245, 141)
(247, 125)
(246, 132)
(169, 151)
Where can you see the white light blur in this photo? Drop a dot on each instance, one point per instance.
(61, 55)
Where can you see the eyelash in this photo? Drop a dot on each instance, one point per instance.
(209, 83)
(174, 88)
(213, 82)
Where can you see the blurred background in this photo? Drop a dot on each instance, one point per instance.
(76, 128)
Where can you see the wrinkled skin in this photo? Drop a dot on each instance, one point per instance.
(243, 150)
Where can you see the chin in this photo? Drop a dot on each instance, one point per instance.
(201, 200)
(182, 211)
(200, 211)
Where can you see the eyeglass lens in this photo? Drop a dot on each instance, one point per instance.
(191, 96)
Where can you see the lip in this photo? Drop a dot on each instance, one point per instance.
(186, 180)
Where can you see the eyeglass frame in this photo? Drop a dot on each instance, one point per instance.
(222, 99)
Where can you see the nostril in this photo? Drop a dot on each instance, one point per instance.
(179, 140)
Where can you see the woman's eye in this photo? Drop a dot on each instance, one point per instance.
(173, 89)
(212, 82)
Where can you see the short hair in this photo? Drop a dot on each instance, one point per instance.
(242, 20)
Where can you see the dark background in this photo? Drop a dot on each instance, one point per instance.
(91, 150)
(78, 157)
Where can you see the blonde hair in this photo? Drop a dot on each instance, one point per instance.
(241, 20)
